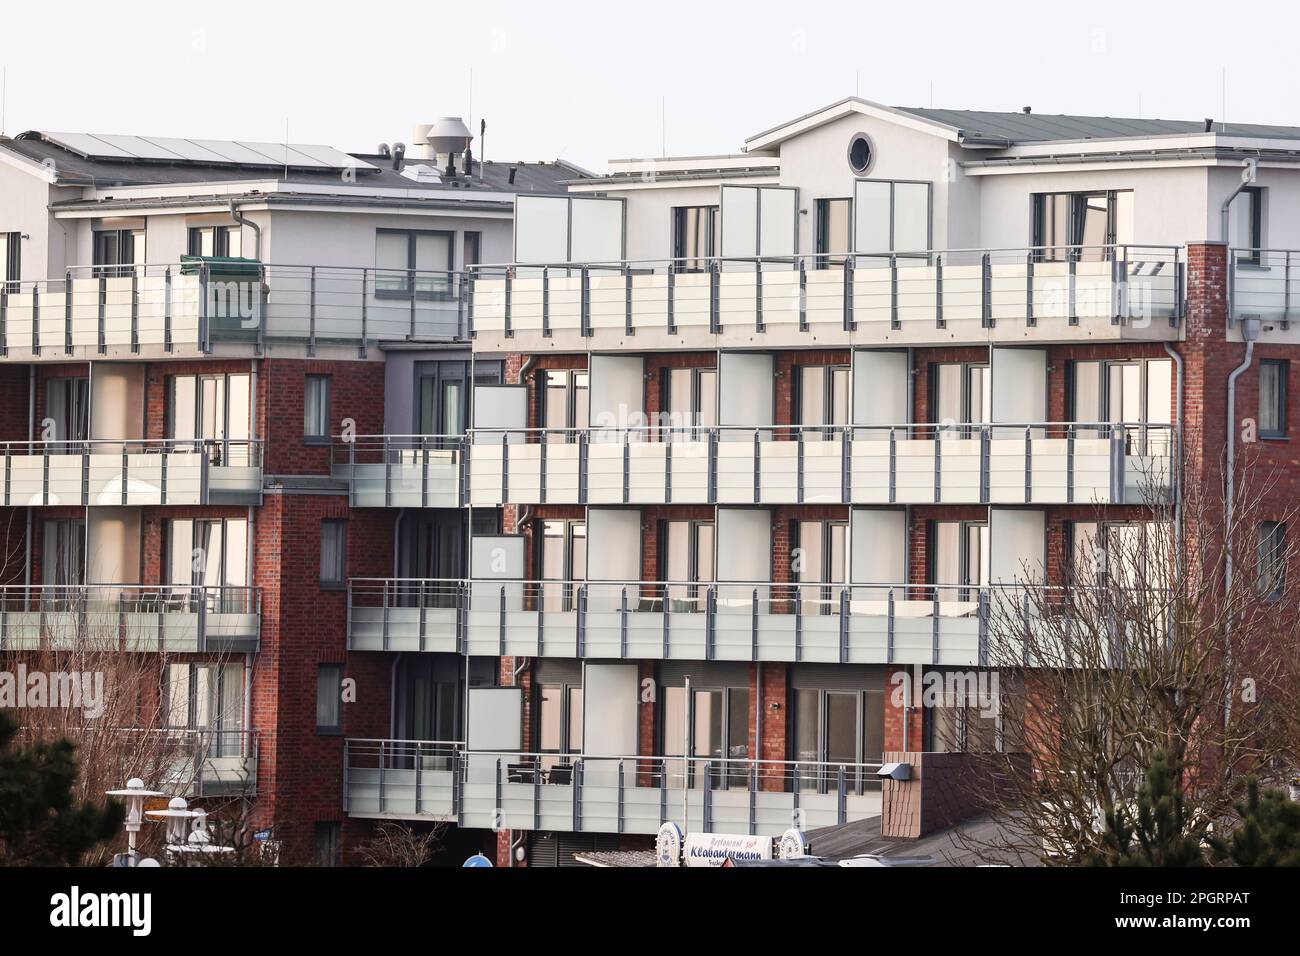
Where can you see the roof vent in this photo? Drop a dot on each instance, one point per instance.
(1209, 124)
(449, 136)
(1026, 110)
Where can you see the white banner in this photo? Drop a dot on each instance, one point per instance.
(712, 849)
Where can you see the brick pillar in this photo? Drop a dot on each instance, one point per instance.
(898, 715)
(773, 697)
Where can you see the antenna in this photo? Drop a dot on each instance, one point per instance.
(469, 112)
(286, 149)
(663, 126)
(4, 96)
(1223, 96)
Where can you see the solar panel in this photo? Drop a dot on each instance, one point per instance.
(187, 150)
(206, 151)
(138, 148)
(89, 146)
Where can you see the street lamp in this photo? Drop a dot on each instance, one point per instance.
(134, 795)
(183, 841)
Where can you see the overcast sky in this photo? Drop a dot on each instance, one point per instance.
(589, 81)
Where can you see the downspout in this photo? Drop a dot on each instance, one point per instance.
(1249, 331)
(243, 220)
(1178, 460)
(1247, 177)
(31, 437)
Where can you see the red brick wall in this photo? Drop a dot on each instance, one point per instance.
(356, 392)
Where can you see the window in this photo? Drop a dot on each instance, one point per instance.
(1273, 375)
(212, 409)
(316, 408)
(327, 843)
(559, 723)
(686, 559)
(1113, 554)
(823, 398)
(690, 401)
(67, 401)
(820, 562)
(564, 403)
(860, 154)
(834, 231)
(333, 552)
(890, 217)
(958, 558)
(210, 553)
(216, 241)
(1136, 393)
(1080, 226)
(207, 698)
(960, 394)
(444, 395)
(473, 251)
(697, 235)
(115, 251)
(1272, 559)
(833, 727)
(329, 699)
(1248, 230)
(718, 726)
(63, 552)
(562, 560)
(11, 258)
(407, 260)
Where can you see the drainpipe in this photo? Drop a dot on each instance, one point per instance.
(1249, 331)
(1247, 178)
(1178, 449)
(243, 220)
(31, 437)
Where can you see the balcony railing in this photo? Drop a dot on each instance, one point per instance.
(640, 620)
(130, 618)
(198, 763)
(949, 296)
(131, 472)
(198, 306)
(1005, 463)
(578, 793)
(1264, 283)
(403, 471)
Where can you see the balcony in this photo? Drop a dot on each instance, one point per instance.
(1264, 284)
(401, 471)
(888, 464)
(419, 780)
(204, 763)
(130, 618)
(230, 308)
(146, 472)
(949, 297)
(637, 620)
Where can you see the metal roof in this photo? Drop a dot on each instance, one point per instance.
(1020, 127)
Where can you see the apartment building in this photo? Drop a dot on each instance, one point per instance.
(675, 468)
(185, 325)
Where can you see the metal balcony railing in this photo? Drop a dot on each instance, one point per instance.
(1264, 283)
(964, 291)
(573, 792)
(98, 310)
(131, 472)
(130, 617)
(199, 762)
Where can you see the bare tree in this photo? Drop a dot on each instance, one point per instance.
(399, 844)
(1176, 634)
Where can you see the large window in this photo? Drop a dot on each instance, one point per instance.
(117, 250)
(413, 262)
(67, 408)
(958, 558)
(211, 553)
(564, 403)
(1273, 375)
(1272, 559)
(686, 550)
(821, 562)
(63, 552)
(1081, 226)
(1137, 393)
(1248, 225)
(559, 723)
(216, 241)
(960, 393)
(690, 402)
(443, 394)
(215, 409)
(833, 728)
(316, 408)
(696, 237)
(823, 398)
(207, 698)
(561, 561)
(333, 552)
(714, 732)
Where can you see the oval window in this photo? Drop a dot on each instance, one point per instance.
(860, 153)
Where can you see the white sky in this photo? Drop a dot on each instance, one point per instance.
(587, 81)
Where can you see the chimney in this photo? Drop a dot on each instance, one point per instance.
(1026, 110)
